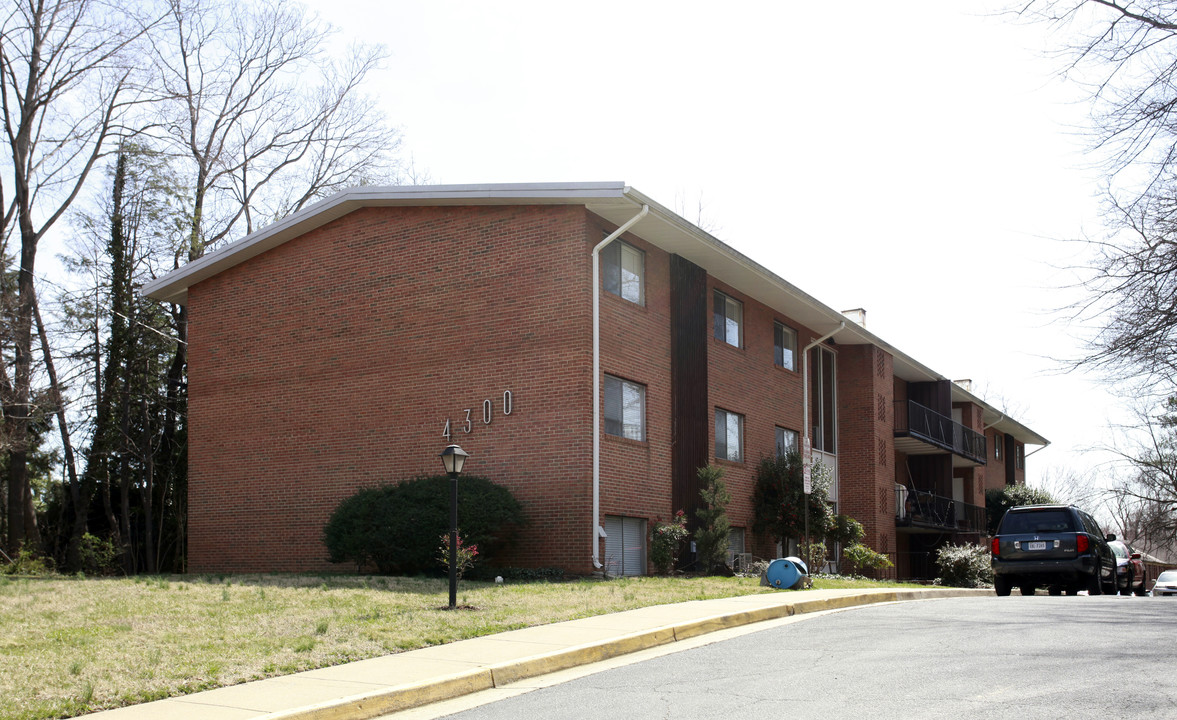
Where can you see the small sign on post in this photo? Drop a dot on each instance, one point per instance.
(806, 464)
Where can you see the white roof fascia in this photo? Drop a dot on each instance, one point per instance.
(173, 287)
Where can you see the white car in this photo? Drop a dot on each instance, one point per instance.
(1166, 583)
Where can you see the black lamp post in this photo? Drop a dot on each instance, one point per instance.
(453, 457)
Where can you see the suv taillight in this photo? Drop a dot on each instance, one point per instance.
(995, 546)
(1082, 543)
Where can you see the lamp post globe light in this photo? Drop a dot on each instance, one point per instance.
(454, 459)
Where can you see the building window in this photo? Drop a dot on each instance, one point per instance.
(729, 319)
(624, 267)
(786, 441)
(625, 546)
(823, 405)
(996, 446)
(1020, 457)
(785, 346)
(625, 408)
(729, 434)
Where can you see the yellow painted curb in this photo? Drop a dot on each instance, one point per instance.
(382, 702)
(515, 670)
(715, 623)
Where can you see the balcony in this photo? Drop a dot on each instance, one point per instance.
(922, 431)
(920, 509)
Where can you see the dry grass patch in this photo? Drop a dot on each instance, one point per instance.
(71, 646)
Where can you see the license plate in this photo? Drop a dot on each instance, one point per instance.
(1036, 546)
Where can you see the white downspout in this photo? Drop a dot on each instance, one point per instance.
(597, 378)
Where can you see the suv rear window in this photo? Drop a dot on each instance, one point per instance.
(1039, 521)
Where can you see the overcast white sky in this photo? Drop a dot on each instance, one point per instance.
(917, 159)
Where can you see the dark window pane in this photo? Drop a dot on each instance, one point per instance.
(611, 267)
(613, 424)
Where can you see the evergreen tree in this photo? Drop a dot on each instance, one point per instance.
(711, 538)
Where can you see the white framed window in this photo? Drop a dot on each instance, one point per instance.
(823, 404)
(625, 408)
(996, 446)
(625, 545)
(787, 441)
(729, 319)
(784, 346)
(1020, 456)
(729, 436)
(624, 270)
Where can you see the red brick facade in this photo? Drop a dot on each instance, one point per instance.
(334, 360)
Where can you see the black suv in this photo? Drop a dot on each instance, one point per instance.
(1059, 547)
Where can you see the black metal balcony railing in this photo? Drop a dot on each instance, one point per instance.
(925, 509)
(923, 423)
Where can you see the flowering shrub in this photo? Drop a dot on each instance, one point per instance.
(964, 565)
(665, 538)
(466, 554)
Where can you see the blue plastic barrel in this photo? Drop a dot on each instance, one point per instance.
(782, 573)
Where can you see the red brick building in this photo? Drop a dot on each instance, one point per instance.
(346, 345)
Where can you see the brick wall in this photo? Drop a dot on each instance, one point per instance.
(994, 466)
(866, 393)
(746, 381)
(332, 362)
(635, 345)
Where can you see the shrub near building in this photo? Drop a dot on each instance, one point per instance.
(394, 528)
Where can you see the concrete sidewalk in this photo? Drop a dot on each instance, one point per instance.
(371, 688)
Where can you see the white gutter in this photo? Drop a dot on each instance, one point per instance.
(1038, 450)
(598, 531)
(994, 422)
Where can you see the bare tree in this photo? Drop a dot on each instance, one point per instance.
(1066, 485)
(265, 121)
(1144, 502)
(65, 82)
(1124, 53)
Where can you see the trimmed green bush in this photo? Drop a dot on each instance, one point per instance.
(394, 528)
(964, 565)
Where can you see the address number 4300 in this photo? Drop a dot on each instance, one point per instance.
(467, 425)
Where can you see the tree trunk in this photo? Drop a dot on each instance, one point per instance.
(80, 504)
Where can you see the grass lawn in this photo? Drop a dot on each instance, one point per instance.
(70, 646)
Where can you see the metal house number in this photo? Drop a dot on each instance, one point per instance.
(466, 425)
